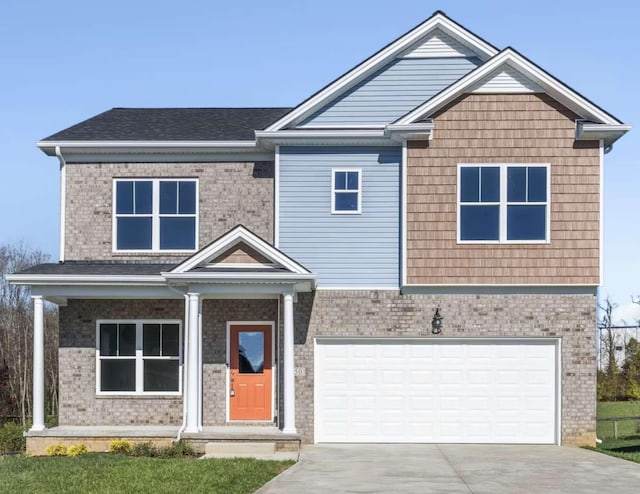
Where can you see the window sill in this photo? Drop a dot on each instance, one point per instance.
(106, 396)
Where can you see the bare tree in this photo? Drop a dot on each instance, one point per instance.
(608, 338)
(16, 334)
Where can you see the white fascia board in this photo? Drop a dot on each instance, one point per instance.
(590, 131)
(400, 133)
(303, 137)
(146, 146)
(237, 235)
(85, 279)
(226, 277)
(552, 87)
(385, 55)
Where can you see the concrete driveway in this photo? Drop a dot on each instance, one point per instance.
(454, 468)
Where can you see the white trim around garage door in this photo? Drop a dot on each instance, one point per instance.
(555, 342)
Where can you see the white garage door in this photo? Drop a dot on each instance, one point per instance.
(426, 390)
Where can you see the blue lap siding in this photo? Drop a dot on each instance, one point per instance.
(359, 250)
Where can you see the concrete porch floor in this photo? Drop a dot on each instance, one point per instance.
(97, 438)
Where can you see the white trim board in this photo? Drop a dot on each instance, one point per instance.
(397, 47)
(511, 58)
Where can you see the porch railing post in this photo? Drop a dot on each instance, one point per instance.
(289, 377)
(38, 363)
(192, 363)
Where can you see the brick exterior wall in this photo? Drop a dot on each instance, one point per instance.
(215, 314)
(328, 313)
(387, 313)
(89, 203)
(79, 404)
(514, 129)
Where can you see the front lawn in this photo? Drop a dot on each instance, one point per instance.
(608, 409)
(117, 473)
(627, 445)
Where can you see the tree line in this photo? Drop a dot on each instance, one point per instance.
(16, 339)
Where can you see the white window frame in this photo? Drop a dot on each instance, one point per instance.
(502, 231)
(335, 191)
(139, 358)
(155, 216)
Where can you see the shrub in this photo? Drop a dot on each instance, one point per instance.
(12, 438)
(120, 446)
(77, 450)
(176, 450)
(144, 449)
(56, 450)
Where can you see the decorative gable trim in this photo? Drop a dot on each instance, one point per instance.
(507, 80)
(438, 44)
(229, 241)
(438, 20)
(511, 59)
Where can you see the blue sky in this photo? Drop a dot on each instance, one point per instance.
(65, 61)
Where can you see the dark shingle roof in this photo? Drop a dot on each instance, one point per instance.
(99, 268)
(172, 124)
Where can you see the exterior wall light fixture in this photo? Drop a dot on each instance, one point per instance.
(436, 322)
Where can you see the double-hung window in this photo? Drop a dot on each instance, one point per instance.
(503, 203)
(139, 357)
(346, 191)
(155, 215)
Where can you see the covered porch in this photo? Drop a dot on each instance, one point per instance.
(235, 292)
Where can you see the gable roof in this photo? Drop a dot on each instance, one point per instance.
(228, 241)
(171, 124)
(438, 21)
(511, 59)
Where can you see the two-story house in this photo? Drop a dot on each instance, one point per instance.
(409, 255)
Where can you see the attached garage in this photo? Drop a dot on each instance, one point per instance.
(498, 390)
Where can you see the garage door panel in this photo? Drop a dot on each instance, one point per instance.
(428, 391)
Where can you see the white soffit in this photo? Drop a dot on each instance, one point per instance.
(510, 59)
(413, 38)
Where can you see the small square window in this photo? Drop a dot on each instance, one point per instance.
(346, 191)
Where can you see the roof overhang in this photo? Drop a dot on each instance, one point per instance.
(509, 57)
(384, 135)
(382, 57)
(589, 131)
(147, 147)
(415, 131)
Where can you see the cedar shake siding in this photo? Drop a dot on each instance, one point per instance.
(513, 129)
(229, 194)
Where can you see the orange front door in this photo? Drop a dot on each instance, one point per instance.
(250, 372)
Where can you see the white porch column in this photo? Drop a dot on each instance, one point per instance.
(289, 372)
(192, 423)
(38, 363)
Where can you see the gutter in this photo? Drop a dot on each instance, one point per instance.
(592, 131)
(49, 147)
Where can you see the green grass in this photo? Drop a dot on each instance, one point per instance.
(608, 409)
(627, 446)
(95, 473)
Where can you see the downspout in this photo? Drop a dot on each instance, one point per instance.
(185, 345)
(63, 199)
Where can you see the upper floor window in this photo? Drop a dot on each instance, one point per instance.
(346, 191)
(503, 203)
(155, 215)
(139, 357)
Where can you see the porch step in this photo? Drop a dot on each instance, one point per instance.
(263, 450)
